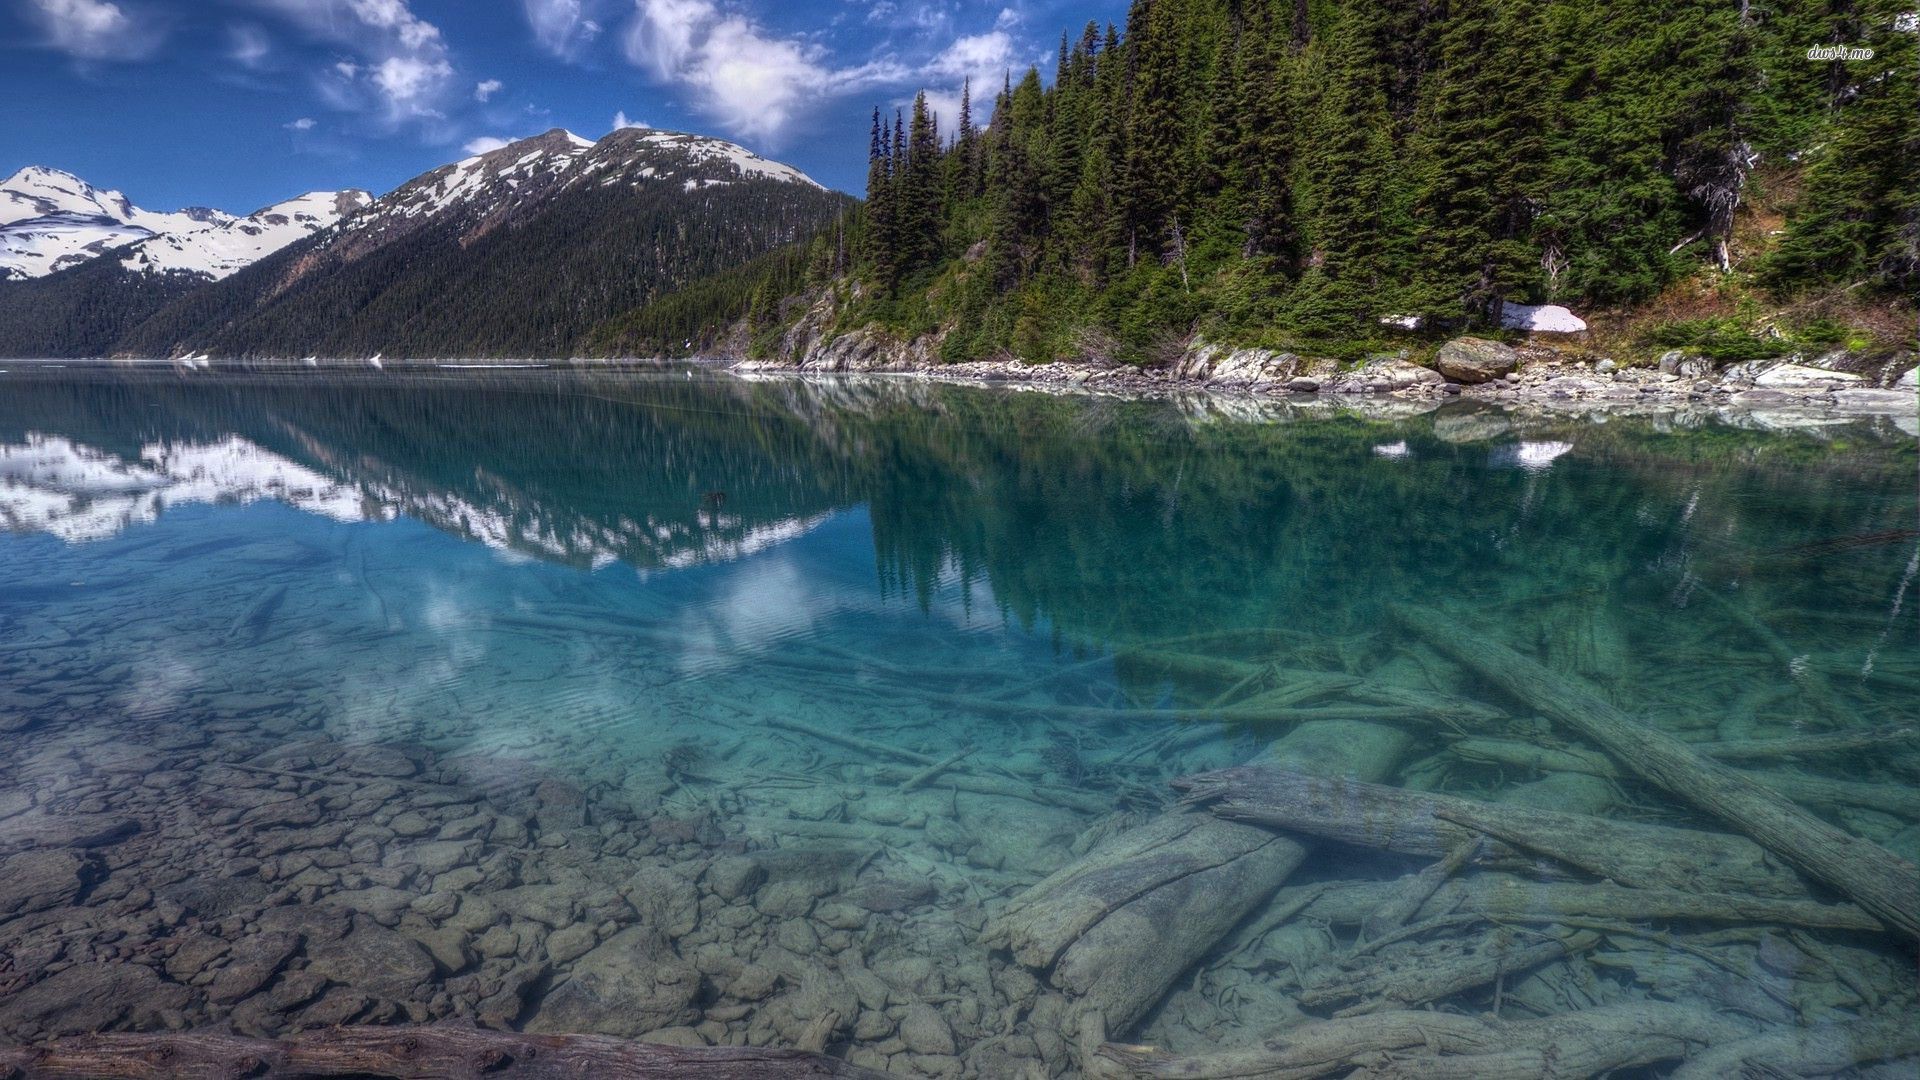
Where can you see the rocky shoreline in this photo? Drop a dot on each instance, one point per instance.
(1468, 368)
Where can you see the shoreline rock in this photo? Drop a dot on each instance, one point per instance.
(1467, 368)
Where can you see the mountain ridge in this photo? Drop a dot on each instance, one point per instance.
(520, 250)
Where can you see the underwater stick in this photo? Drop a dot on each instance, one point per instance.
(1872, 876)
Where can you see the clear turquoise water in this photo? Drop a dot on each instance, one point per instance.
(633, 585)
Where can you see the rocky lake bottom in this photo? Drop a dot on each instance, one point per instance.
(953, 732)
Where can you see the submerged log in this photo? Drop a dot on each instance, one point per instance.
(1815, 1051)
(1870, 875)
(408, 1053)
(1502, 896)
(1416, 974)
(1116, 928)
(1817, 790)
(1430, 824)
(1437, 1045)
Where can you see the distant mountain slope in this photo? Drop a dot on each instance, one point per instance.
(52, 220)
(219, 250)
(520, 251)
(114, 272)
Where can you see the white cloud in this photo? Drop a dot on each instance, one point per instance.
(486, 144)
(305, 123)
(750, 81)
(562, 27)
(94, 29)
(620, 121)
(405, 80)
(981, 58)
(488, 88)
(399, 63)
(250, 46)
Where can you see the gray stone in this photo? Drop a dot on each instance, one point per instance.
(37, 880)
(384, 904)
(39, 829)
(570, 943)
(1303, 384)
(549, 905)
(436, 856)
(675, 1036)
(925, 1031)
(1686, 366)
(1909, 381)
(193, 954)
(1476, 360)
(664, 900)
(251, 965)
(87, 998)
(1606, 366)
(377, 761)
(735, 876)
(1801, 377)
(376, 961)
(1752, 398)
(633, 983)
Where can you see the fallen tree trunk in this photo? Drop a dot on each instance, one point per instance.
(1818, 790)
(1870, 875)
(1416, 974)
(403, 1053)
(1807, 1051)
(1430, 824)
(1503, 896)
(1441, 1045)
(1116, 928)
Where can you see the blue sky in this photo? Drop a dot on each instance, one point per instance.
(240, 103)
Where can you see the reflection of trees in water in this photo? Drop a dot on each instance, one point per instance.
(1112, 520)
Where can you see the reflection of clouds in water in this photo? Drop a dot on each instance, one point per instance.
(157, 685)
(1531, 456)
(763, 602)
(1393, 450)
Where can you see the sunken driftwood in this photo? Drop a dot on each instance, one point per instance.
(433, 1053)
(1815, 1051)
(1417, 973)
(1117, 927)
(1870, 875)
(1502, 896)
(1430, 824)
(1815, 790)
(1432, 1045)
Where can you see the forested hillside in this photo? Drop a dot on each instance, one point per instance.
(1294, 172)
(520, 251)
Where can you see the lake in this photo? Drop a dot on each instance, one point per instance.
(846, 714)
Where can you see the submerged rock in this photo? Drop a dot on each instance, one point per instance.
(632, 984)
(376, 961)
(37, 880)
(91, 997)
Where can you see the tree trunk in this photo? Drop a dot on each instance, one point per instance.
(1872, 876)
(402, 1053)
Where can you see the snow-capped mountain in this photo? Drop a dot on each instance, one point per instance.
(520, 251)
(52, 221)
(218, 250)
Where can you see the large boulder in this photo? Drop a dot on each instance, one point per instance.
(38, 880)
(87, 998)
(1476, 360)
(1792, 376)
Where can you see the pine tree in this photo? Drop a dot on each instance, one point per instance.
(1480, 151)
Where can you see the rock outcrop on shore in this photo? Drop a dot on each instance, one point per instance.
(1838, 381)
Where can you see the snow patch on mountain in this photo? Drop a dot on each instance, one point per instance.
(52, 221)
(223, 249)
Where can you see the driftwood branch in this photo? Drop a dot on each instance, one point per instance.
(1870, 875)
(433, 1053)
(1433, 825)
(1442, 1045)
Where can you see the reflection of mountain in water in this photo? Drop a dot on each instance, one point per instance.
(1112, 520)
(563, 476)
